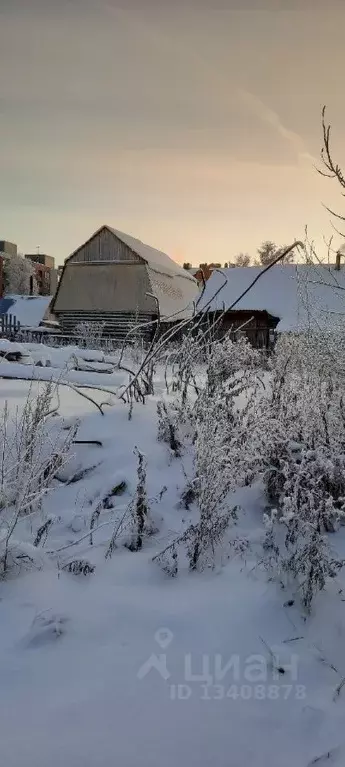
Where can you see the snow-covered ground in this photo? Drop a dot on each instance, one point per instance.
(130, 667)
(28, 310)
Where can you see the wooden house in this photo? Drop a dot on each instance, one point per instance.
(116, 279)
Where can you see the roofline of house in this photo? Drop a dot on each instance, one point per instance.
(109, 229)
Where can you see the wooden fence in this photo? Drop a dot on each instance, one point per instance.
(9, 326)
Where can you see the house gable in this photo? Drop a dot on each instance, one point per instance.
(104, 245)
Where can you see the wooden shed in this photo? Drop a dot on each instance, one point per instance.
(258, 326)
(287, 298)
(116, 279)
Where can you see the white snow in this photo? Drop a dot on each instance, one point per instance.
(297, 294)
(155, 258)
(76, 653)
(29, 310)
(69, 363)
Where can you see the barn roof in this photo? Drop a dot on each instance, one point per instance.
(156, 259)
(105, 284)
(296, 294)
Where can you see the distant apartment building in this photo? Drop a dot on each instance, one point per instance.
(45, 272)
(8, 248)
(41, 258)
(44, 268)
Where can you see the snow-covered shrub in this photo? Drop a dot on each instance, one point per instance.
(284, 422)
(89, 334)
(140, 511)
(136, 523)
(19, 276)
(79, 567)
(168, 426)
(303, 454)
(224, 454)
(232, 364)
(214, 481)
(135, 340)
(297, 553)
(33, 447)
(183, 363)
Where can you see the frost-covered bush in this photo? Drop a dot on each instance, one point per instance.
(303, 455)
(223, 416)
(281, 420)
(183, 364)
(33, 447)
(137, 521)
(19, 276)
(298, 553)
(232, 365)
(168, 427)
(89, 334)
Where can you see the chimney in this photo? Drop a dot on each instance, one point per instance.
(340, 254)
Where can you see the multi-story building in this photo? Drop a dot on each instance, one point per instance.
(44, 267)
(41, 258)
(45, 272)
(8, 248)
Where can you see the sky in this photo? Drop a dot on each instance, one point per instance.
(193, 125)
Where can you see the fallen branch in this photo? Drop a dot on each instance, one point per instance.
(74, 387)
(87, 442)
(338, 689)
(324, 757)
(79, 540)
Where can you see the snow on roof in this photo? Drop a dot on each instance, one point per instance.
(155, 258)
(29, 310)
(296, 294)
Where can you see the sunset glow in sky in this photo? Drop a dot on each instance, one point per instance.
(191, 125)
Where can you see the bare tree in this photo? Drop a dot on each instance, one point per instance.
(269, 252)
(331, 168)
(242, 259)
(19, 276)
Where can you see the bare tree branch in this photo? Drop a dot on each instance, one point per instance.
(333, 169)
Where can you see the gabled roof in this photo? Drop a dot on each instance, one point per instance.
(154, 258)
(174, 288)
(297, 293)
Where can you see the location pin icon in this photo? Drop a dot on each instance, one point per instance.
(163, 637)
